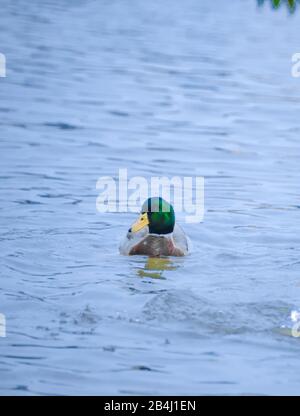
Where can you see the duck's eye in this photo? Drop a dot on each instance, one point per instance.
(129, 230)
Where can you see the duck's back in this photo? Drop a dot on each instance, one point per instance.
(157, 245)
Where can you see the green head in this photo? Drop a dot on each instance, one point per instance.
(158, 214)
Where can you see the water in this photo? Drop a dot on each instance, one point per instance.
(160, 88)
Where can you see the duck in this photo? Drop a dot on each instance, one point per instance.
(155, 233)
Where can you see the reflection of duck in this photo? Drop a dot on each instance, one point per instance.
(155, 233)
(155, 266)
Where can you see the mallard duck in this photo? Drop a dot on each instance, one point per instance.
(155, 233)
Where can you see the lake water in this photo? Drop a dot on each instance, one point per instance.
(160, 88)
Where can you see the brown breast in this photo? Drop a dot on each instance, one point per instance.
(155, 246)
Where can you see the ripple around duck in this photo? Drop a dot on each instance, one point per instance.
(204, 316)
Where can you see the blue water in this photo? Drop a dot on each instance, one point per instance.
(194, 88)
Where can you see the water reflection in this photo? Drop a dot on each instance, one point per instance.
(155, 267)
(291, 4)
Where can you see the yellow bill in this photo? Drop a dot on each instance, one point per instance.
(140, 223)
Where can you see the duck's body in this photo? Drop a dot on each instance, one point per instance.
(155, 234)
